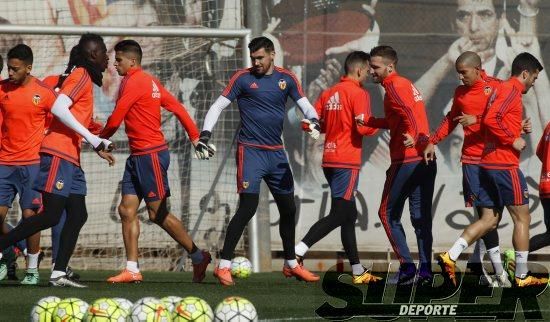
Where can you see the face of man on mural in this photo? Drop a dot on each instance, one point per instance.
(477, 20)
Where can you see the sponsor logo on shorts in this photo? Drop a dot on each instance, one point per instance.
(151, 194)
(245, 184)
(59, 184)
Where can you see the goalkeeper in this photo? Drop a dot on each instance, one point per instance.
(145, 176)
(261, 93)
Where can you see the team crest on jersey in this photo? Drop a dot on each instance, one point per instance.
(59, 184)
(245, 184)
(487, 90)
(36, 99)
(282, 84)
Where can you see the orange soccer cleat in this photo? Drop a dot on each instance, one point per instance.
(126, 277)
(199, 270)
(224, 276)
(301, 273)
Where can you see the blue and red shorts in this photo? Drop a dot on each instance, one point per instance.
(19, 179)
(146, 176)
(500, 188)
(60, 177)
(343, 182)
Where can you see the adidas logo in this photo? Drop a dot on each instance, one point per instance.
(155, 90)
(333, 103)
(151, 194)
(254, 85)
(36, 201)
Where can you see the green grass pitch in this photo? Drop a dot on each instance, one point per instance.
(274, 296)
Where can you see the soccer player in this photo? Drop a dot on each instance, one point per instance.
(24, 103)
(408, 177)
(60, 178)
(502, 182)
(468, 107)
(261, 93)
(337, 108)
(140, 99)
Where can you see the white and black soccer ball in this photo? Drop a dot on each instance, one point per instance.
(241, 267)
(170, 302)
(43, 309)
(235, 309)
(149, 309)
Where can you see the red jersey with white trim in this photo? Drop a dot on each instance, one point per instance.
(60, 140)
(543, 153)
(140, 98)
(502, 126)
(404, 113)
(471, 100)
(24, 112)
(337, 108)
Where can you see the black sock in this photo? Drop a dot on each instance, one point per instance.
(491, 239)
(76, 218)
(287, 228)
(248, 202)
(53, 208)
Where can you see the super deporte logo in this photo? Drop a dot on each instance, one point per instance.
(470, 299)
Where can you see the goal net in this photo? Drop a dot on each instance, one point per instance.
(203, 193)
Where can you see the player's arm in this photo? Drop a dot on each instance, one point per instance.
(310, 123)
(319, 109)
(362, 109)
(448, 124)
(496, 113)
(376, 122)
(402, 101)
(128, 95)
(60, 110)
(170, 103)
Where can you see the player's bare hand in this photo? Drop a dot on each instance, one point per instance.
(429, 153)
(466, 119)
(108, 156)
(526, 126)
(519, 144)
(408, 142)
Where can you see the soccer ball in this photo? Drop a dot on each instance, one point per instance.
(170, 302)
(236, 309)
(106, 310)
(192, 309)
(149, 309)
(43, 310)
(241, 267)
(124, 304)
(70, 309)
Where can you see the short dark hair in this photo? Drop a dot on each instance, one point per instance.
(355, 58)
(525, 61)
(21, 52)
(386, 52)
(86, 39)
(259, 43)
(130, 46)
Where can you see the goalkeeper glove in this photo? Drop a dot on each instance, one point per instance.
(104, 145)
(312, 127)
(203, 150)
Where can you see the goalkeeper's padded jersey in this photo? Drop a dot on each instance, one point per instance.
(24, 112)
(140, 98)
(337, 108)
(470, 100)
(502, 125)
(262, 103)
(60, 140)
(543, 153)
(404, 112)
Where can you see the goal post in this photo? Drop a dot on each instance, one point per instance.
(195, 64)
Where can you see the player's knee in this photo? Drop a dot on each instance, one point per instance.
(126, 213)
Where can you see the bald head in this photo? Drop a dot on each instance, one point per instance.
(469, 59)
